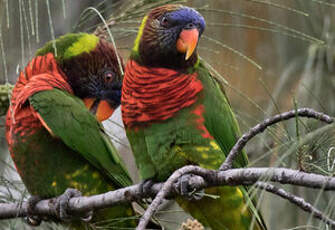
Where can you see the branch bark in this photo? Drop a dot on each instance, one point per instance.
(208, 178)
(300, 202)
(259, 128)
(235, 177)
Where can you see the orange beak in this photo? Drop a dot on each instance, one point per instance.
(89, 102)
(187, 42)
(102, 110)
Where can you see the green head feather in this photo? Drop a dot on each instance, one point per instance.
(70, 45)
(166, 8)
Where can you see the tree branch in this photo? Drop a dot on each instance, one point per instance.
(235, 177)
(259, 128)
(208, 178)
(298, 201)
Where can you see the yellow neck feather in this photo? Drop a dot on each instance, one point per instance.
(139, 35)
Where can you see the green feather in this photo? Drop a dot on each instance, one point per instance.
(222, 124)
(69, 120)
(220, 120)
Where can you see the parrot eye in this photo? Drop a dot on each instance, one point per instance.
(165, 21)
(108, 76)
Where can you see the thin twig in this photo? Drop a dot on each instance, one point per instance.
(298, 201)
(259, 128)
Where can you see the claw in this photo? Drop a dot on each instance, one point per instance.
(31, 219)
(62, 206)
(145, 188)
(185, 190)
(88, 217)
(146, 185)
(63, 203)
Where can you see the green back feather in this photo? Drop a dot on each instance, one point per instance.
(70, 121)
(222, 124)
(219, 117)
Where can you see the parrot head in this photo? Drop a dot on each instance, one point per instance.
(91, 67)
(168, 37)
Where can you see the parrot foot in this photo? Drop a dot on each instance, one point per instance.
(145, 187)
(31, 219)
(62, 206)
(186, 190)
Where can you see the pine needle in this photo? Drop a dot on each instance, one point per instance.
(281, 26)
(233, 51)
(280, 7)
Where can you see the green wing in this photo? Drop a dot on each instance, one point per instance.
(69, 120)
(220, 120)
(222, 125)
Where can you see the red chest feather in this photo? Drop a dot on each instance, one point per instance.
(155, 94)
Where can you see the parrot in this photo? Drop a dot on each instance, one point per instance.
(176, 114)
(53, 127)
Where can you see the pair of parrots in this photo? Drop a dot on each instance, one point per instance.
(175, 114)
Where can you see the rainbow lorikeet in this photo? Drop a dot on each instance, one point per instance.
(176, 114)
(53, 129)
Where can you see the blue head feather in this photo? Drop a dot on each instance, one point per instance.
(186, 15)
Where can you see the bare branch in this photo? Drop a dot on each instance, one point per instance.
(259, 128)
(300, 202)
(240, 176)
(208, 178)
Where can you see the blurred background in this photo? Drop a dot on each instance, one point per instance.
(271, 56)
